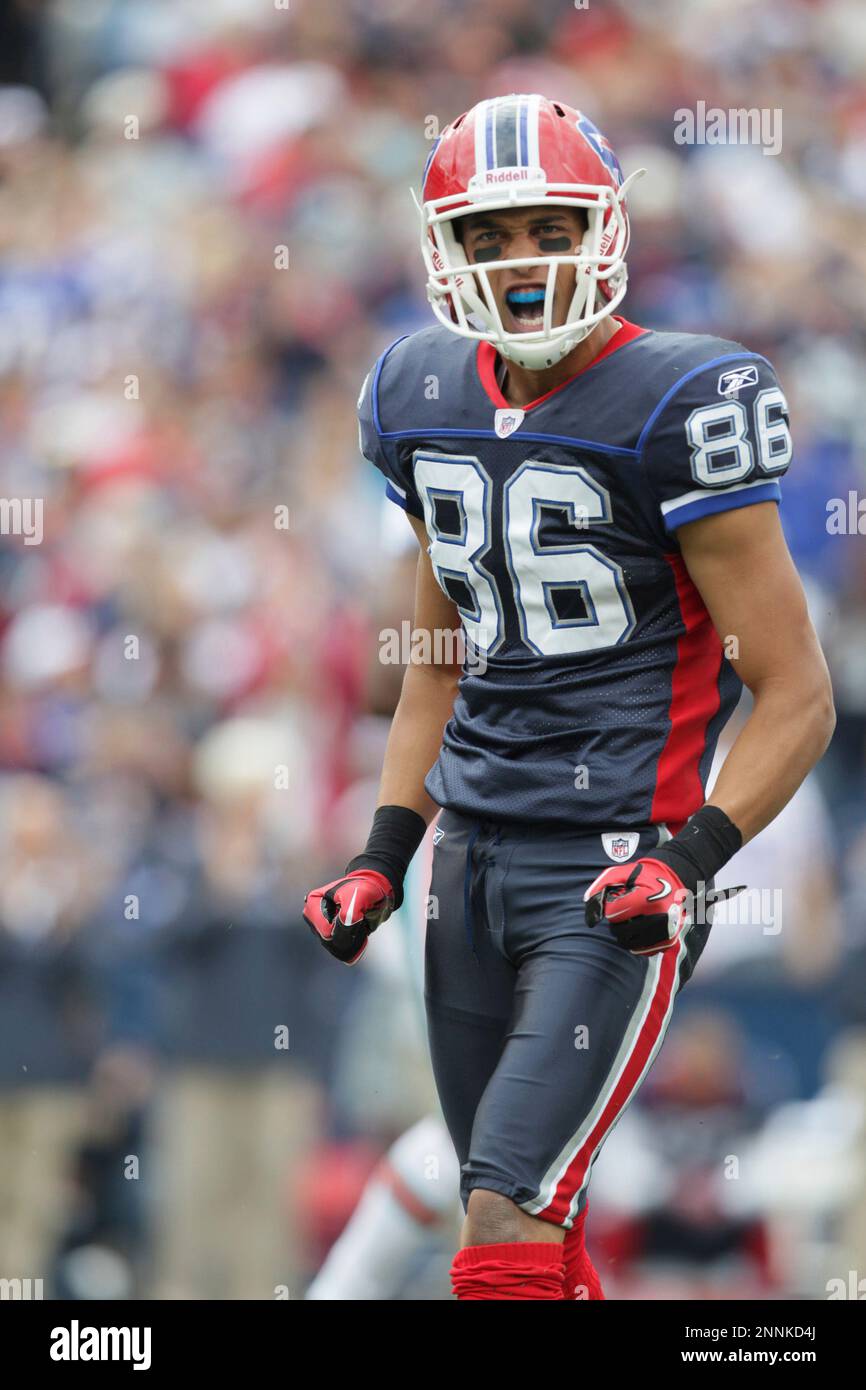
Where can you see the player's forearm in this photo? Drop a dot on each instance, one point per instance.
(424, 709)
(786, 733)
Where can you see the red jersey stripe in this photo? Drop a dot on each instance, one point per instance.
(694, 701)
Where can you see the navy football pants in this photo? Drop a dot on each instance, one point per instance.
(541, 1030)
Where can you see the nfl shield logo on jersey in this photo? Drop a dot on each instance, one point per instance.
(620, 845)
(505, 422)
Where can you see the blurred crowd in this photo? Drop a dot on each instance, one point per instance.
(206, 237)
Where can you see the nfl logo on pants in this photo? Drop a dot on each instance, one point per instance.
(620, 845)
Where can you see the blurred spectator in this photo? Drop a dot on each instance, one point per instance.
(48, 1016)
(679, 1220)
(240, 1105)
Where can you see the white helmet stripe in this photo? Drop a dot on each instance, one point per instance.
(532, 152)
(482, 113)
(522, 113)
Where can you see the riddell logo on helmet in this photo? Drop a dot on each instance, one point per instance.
(506, 175)
(511, 174)
(439, 265)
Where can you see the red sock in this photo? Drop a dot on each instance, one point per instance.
(518, 1270)
(580, 1279)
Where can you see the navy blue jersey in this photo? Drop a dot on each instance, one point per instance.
(595, 685)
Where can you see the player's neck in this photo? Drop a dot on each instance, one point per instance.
(522, 385)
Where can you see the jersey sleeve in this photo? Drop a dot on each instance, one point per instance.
(376, 445)
(718, 439)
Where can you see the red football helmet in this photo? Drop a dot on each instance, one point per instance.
(516, 151)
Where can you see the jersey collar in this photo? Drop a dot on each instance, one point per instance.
(487, 361)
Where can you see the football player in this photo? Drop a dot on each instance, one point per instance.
(595, 502)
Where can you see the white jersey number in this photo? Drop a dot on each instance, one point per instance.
(719, 438)
(538, 572)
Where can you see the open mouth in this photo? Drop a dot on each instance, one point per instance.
(526, 306)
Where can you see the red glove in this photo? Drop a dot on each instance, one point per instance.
(645, 904)
(345, 912)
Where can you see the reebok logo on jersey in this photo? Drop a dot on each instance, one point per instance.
(505, 422)
(438, 834)
(733, 382)
(620, 845)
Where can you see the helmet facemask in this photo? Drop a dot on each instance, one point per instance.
(458, 290)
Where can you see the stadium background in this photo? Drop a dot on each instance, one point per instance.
(191, 1093)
